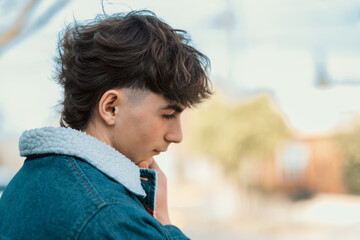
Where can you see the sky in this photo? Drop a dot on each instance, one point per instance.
(274, 46)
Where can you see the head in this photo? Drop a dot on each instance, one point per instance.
(117, 71)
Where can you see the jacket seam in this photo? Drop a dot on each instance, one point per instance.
(110, 203)
(86, 184)
(79, 225)
(87, 219)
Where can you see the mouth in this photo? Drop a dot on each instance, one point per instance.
(156, 152)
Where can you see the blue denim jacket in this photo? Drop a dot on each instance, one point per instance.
(73, 186)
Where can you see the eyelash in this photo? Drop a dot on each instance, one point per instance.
(168, 116)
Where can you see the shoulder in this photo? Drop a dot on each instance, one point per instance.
(69, 190)
(122, 219)
(73, 177)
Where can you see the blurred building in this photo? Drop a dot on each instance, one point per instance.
(305, 166)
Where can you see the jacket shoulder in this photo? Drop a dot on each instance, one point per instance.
(122, 221)
(69, 190)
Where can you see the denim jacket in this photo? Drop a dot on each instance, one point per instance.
(73, 186)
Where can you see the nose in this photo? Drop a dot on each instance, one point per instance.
(174, 134)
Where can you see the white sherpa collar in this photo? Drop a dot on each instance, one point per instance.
(72, 142)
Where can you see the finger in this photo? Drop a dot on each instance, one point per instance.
(143, 164)
(154, 165)
(161, 175)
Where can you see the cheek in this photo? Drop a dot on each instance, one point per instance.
(145, 130)
(151, 131)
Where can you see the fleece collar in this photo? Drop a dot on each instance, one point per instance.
(68, 141)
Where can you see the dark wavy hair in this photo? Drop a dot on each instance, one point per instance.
(134, 50)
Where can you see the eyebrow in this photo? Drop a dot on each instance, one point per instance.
(174, 107)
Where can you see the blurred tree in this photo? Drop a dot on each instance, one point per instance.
(233, 132)
(19, 19)
(349, 142)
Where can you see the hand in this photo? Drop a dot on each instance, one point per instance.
(143, 164)
(161, 206)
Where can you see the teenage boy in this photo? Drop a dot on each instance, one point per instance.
(126, 78)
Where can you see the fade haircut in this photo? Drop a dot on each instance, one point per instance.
(135, 50)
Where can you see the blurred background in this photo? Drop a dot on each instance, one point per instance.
(275, 153)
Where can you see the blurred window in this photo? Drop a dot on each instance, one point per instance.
(295, 158)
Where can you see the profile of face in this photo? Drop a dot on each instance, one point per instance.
(143, 124)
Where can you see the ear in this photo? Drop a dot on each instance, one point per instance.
(109, 105)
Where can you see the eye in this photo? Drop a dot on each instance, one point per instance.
(171, 116)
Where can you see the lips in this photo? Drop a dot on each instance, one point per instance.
(158, 151)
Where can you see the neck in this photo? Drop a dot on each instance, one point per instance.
(97, 131)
